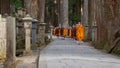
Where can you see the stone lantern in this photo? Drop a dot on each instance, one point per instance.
(20, 12)
(28, 26)
(42, 33)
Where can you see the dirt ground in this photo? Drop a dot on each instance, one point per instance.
(27, 61)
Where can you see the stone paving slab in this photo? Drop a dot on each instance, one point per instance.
(68, 54)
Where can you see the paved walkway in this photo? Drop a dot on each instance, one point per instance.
(68, 54)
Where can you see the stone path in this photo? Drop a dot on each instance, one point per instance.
(68, 54)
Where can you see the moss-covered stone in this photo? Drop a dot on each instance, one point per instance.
(100, 45)
(117, 49)
(106, 47)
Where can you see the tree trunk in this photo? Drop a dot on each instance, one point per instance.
(31, 7)
(27, 6)
(41, 9)
(85, 17)
(34, 8)
(64, 13)
(4, 6)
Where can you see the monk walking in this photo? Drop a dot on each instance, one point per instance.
(79, 32)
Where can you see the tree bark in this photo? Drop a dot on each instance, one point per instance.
(31, 7)
(41, 9)
(85, 17)
(4, 6)
(64, 13)
(27, 6)
(34, 8)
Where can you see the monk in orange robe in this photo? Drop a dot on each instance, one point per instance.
(79, 32)
(70, 32)
(74, 32)
(64, 32)
(54, 31)
(59, 32)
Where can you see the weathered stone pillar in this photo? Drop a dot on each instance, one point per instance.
(27, 25)
(3, 38)
(10, 61)
(51, 32)
(42, 33)
(94, 33)
(0, 17)
(34, 28)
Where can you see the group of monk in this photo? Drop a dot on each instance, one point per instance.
(75, 32)
(60, 32)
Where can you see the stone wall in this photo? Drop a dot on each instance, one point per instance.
(2, 38)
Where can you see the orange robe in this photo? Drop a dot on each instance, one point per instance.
(74, 32)
(70, 32)
(79, 32)
(54, 32)
(59, 32)
(64, 32)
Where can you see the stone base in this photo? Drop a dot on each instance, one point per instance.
(10, 64)
(27, 53)
(34, 47)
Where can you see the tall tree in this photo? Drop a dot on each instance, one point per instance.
(64, 13)
(41, 9)
(4, 6)
(101, 29)
(106, 14)
(31, 7)
(34, 8)
(85, 17)
(27, 5)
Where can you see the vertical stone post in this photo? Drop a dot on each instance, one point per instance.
(34, 28)
(0, 17)
(3, 38)
(10, 61)
(27, 25)
(51, 32)
(94, 33)
(42, 33)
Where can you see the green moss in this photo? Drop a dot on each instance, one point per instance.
(47, 41)
(38, 43)
(117, 49)
(20, 46)
(106, 47)
(100, 45)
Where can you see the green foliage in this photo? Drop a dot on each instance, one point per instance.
(117, 51)
(106, 47)
(50, 4)
(73, 15)
(17, 4)
(117, 48)
(38, 43)
(73, 2)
